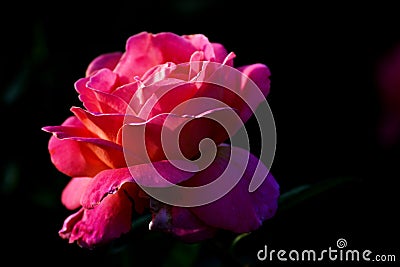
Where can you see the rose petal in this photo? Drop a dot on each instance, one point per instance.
(72, 126)
(201, 43)
(179, 222)
(87, 96)
(70, 157)
(74, 158)
(242, 89)
(126, 91)
(97, 226)
(176, 136)
(158, 73)
(109, 61)
(146, 50)
(110, 153)
(69, 224)
(151, 175)
(103, 80)
(99, 101)
(239, 210)
(259, 74)
(105, 126)
(71, 195)
(164, 98)
(221, 53)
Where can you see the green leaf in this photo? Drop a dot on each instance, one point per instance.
(238, 238)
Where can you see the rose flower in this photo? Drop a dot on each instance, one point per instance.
(114, 147)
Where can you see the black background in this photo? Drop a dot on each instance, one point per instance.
(323, 96)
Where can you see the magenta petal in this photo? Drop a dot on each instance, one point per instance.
(111, 103)
(97, 226)
(87, 96)
(220, 53)
(259, 74)
(69, 223)
(239, 210)
(243, 90)
(99, 101)
(103, 80)
(165, 98)
(140, 56)
(158, 73)
(179, 222)
(109, 61)
(146, 50)
(201, 43)
(126, 91)
(110, 181)
(71, 195)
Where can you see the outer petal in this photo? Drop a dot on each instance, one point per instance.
(221, 53)
(70, 223)
(239, 210)
(71, 195)
(259, 74)
(108, 152)
(109, 61)
(73, 158)
(99, 101)
(103, 80)
(111, 154)
(87, 96)
(105, 126)
(242, 89)
(179, 222)
(107, 221)
(110, 181)
(146, 50)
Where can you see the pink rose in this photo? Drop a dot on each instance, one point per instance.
(111, 147)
